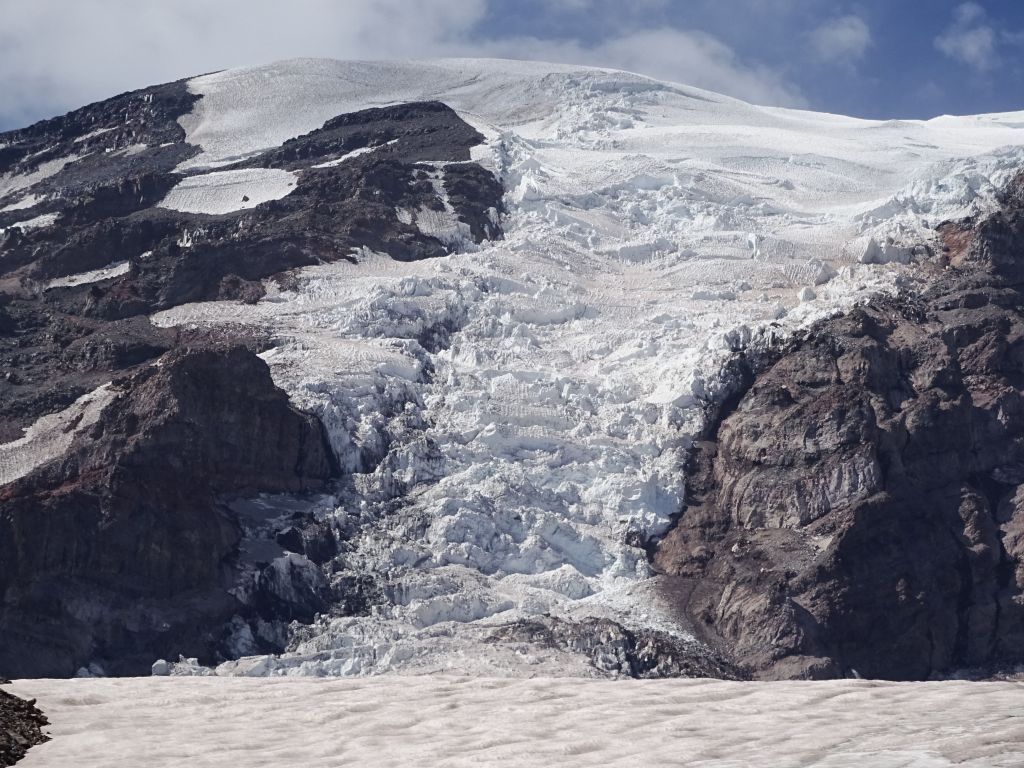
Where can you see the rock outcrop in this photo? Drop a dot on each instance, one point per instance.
(613, 649)
(122, 549)
(367, 179)
(860, 511)
(21, 727)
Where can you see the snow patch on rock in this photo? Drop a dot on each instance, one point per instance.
(222, 192)
(50, 436)
(92, 276)
(26, 202)
(36, 222)
(11, 183)
(354, 153)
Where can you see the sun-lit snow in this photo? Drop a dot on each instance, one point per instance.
(94, 134)
(11, 183)
(226, 191)
(451, 721)
(652, 230)
(354, 153)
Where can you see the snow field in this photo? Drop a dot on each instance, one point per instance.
(454, 721)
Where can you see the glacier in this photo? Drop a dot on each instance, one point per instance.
(515, 417)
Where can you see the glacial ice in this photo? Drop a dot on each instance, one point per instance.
(652, 231)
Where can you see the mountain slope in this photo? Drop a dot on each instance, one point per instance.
(513, 295)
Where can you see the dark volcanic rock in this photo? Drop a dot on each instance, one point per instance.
(21, 727)
(861, 510)
(108, 214)
(122, 551)
(614, 649)
(50, 356)
(416, 132)
(148, 115)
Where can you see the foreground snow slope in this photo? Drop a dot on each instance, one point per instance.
(397, 721)
(652, 230)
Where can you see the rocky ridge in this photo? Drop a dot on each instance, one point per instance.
(121, 547)
(857, 510)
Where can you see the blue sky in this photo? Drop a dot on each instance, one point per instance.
(871, 58)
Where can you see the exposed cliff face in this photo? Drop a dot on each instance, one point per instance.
(862, 507)
(123, 546)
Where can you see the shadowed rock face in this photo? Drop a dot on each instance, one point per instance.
(862, 507)
(123, 547)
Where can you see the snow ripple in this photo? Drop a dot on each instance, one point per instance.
(452, 721)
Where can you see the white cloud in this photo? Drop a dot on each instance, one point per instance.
(66, 54)
(845, 39)
(968, 13)
(970, 39)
